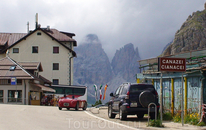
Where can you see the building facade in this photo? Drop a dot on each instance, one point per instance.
(193, 82)
(54, 49)
(21, 84)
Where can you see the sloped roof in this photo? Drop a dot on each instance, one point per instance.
(10, 38)
(13, 38)
(45, 80)
(31, 65)
(58, 35)
(18, 72)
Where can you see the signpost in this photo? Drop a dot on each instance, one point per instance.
(13, 82)
(171, 65)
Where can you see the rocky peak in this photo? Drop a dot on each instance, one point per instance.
(191, 35)
(92, 65)
(125, 62)
(91, 39)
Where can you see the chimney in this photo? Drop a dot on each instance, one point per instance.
(27, 27)
(36, 20)
(48, 28)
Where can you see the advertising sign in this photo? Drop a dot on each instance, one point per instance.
(13, 81)
(172, 64)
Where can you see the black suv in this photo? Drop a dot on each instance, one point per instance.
(133, 99)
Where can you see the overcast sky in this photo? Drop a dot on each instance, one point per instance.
(148, 24)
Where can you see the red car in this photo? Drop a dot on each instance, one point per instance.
(72, 102)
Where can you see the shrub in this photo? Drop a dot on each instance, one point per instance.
(177, 117)
(97, 103)
(155, 123)
(192, 118)
(201, 124)
(167, 116)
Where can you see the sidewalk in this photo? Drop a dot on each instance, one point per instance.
(133, 121)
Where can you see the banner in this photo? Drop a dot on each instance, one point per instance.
(105, 89)
(100, 92)
(95, 87)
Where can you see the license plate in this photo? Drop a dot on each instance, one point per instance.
(66, 104)
(133, 104)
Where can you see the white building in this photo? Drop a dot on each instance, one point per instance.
(54, 49)
(19, 85)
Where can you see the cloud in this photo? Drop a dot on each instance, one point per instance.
(148, 24)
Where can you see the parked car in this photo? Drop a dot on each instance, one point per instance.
(72, 102)
(133, 99)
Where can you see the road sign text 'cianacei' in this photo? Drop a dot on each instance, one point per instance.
(172, 64)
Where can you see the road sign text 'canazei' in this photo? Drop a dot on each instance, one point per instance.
(172, 64)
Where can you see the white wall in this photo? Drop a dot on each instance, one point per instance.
(22, 87)
(45, 56)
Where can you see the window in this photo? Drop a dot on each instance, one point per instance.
(125, 90)
(55, 81)
(35, 49)
(15, 50)
(55, 66)
(5, 81)
(118, 90)
(38, 33)
(14, 95)
(55, 49)
(1, 95)
(19, 81)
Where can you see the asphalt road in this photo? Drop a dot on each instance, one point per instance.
(25, 117)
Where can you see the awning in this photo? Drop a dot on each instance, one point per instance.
(44, 88)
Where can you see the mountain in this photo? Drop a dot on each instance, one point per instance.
(92, 66)
(125, 62)
(191, 35)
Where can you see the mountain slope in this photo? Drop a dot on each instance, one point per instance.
(191, 35)
(92, 66)
(125, 62)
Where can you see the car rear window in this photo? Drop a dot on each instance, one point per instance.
(140, 87)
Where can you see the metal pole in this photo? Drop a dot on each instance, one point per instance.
(15, 94)
(161, 106)
(182, 114)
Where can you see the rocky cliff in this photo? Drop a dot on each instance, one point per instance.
(191, 35)
(125, 62)
(92, 66)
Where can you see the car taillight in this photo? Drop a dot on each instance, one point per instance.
(156, 94)
(127, 97)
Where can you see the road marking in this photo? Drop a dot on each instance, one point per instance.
(111, 121)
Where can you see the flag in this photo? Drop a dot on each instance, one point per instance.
(100, 92)
(105, 89)
(95, 87)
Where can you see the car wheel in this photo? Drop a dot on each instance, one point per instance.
(140, 116)
(77, 106)
(110, 114)
(146, 97)
(68, 108)
(60, 108)
(85, 106)
(122, 116)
